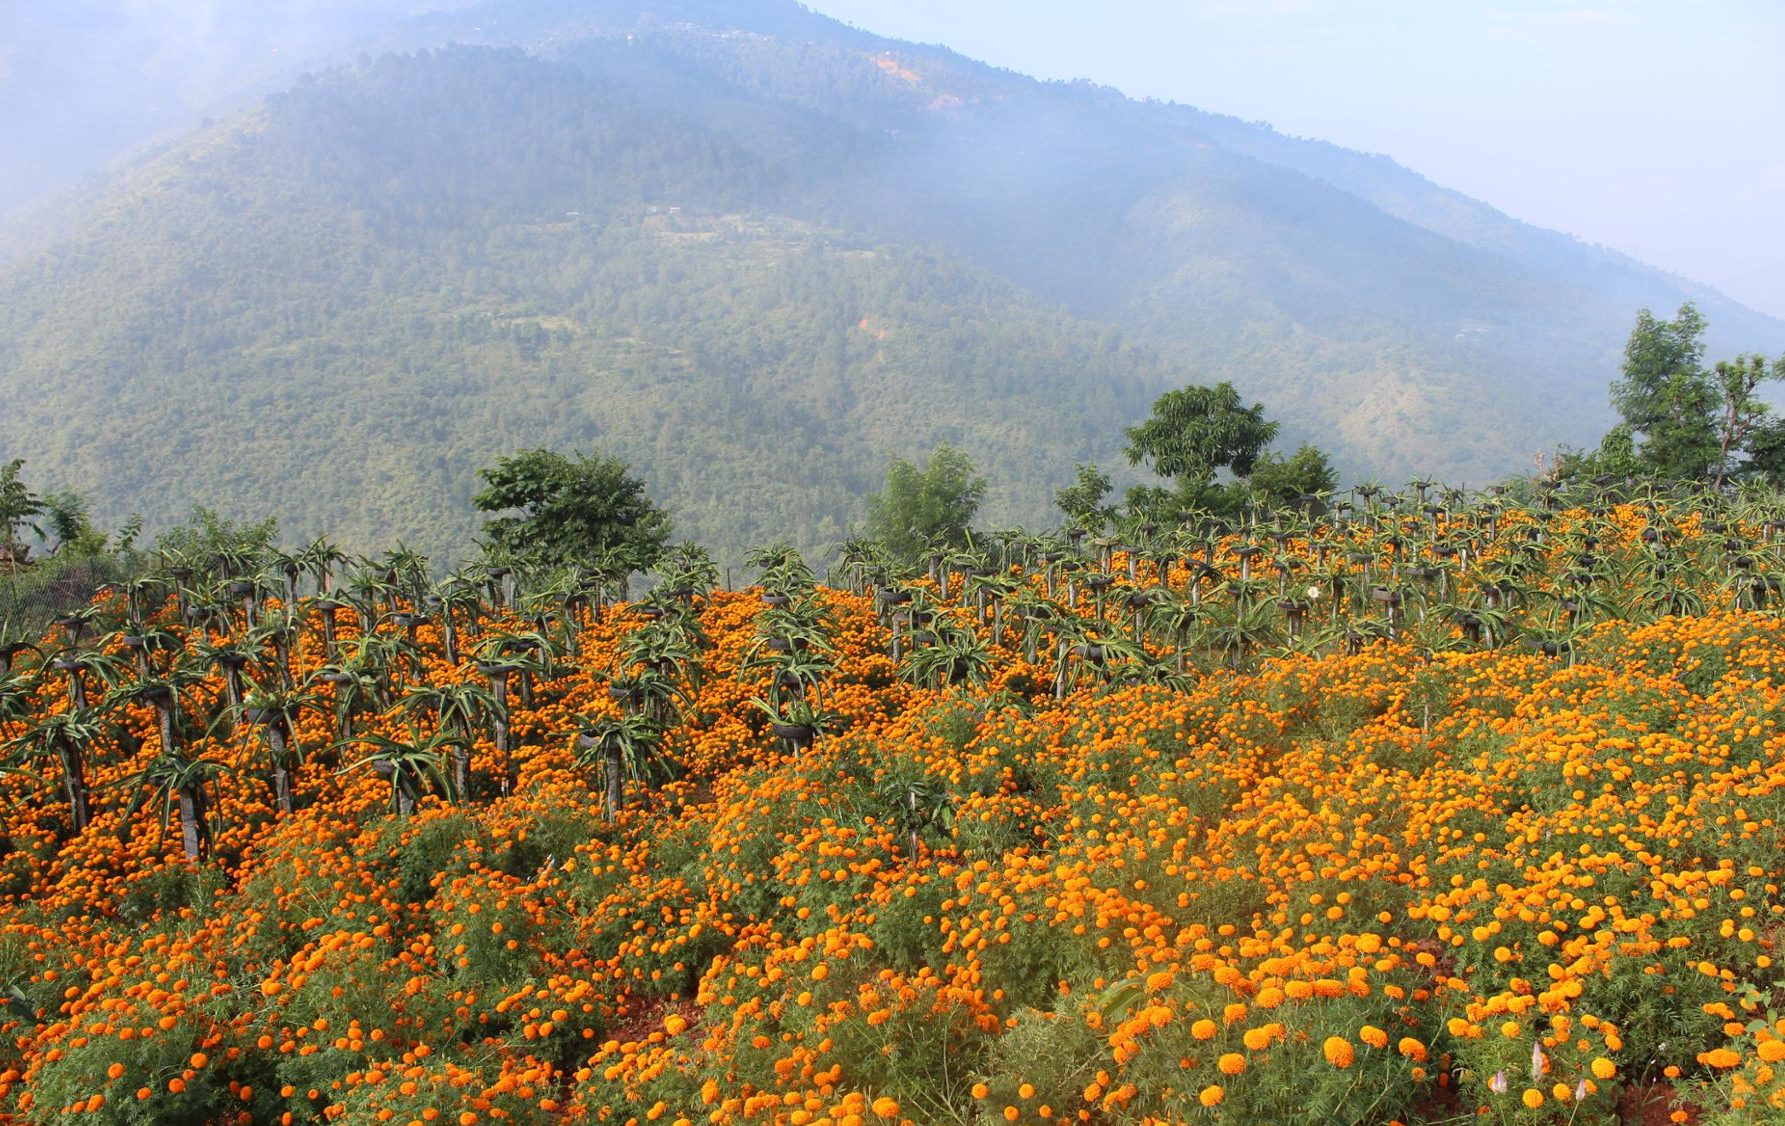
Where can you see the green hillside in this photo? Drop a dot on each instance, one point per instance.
(756, 253)
(265, 341)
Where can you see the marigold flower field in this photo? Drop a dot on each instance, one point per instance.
(1413, 816)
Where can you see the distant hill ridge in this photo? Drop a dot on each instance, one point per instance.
(755, 252)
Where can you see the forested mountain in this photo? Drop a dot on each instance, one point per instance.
(327, 313)
(755, 253)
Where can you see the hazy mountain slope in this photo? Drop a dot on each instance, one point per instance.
(325, 331)
(754, 252)
(1377, 316)
(84, 81)
(1407, 195)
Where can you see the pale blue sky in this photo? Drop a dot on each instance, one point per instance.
(1653, 126)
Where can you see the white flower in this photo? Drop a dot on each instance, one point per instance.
(1536, 1062)
(1498, 1083)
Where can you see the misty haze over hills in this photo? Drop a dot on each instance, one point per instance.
(747, 248)
(83, 81)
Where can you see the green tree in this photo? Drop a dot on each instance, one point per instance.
(1083, 500)
(562, 510)
(1766, 451)
(1193, 435)
(926, 507)
(1281, 482)
(1615, 456)
(1196, 431)
(207, 535)
(66, 517)
(1682, 421)
(1740, 414)
(1667, 398)
(18, 504)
